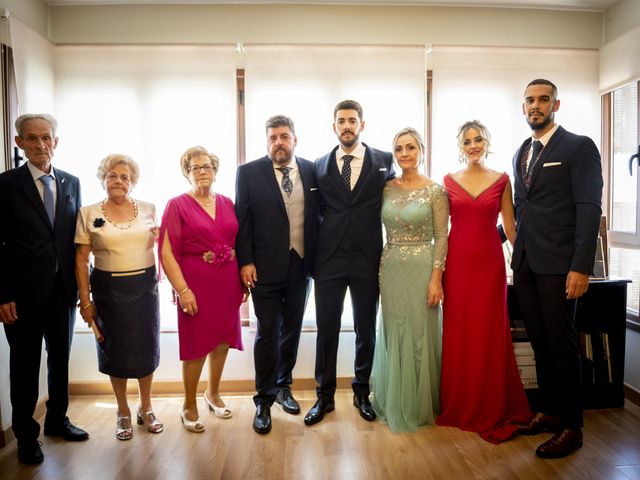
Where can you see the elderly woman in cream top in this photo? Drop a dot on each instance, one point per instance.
(120, 293)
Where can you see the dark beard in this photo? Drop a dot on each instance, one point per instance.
(350, 143)
(541, 125)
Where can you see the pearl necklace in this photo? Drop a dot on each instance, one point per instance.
(121, 226)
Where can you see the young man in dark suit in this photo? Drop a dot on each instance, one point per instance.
(38, 292)
(351, 179)
(277, 210)
(558, 190)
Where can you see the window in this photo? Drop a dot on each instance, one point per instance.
(624, 184)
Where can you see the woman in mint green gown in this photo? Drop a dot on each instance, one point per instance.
(406, 366)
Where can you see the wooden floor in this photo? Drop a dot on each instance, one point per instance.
(343, 446)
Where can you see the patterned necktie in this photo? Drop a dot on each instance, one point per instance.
(48, 197)
(537, 147)
(287, 185)
(346, 170)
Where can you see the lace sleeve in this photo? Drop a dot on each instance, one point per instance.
(440, 207)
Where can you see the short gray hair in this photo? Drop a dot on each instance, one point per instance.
(110, 161)
(20, 121)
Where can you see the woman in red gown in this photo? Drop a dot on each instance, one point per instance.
(480, 388)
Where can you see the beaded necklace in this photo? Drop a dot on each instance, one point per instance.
(121, 226)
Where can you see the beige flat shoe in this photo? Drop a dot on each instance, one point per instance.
(221, 412)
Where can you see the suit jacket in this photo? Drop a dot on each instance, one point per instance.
(558, 218)
(30, 248)
(356, 212)
(263, 233)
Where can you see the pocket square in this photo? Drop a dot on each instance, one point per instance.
(551, 164)
(313, 189)
(383, 169)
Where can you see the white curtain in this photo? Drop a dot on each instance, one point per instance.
(33, 61)
(305, 82)
(620, 60)
(488, 83)
(150, 102)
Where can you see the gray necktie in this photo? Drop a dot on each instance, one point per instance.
(287, 185)
(536, 148)
(346, 170)
(48, 197)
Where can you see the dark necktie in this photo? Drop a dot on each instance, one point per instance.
(287, 185)
(536, 147)
(346, 170)
(48, 197)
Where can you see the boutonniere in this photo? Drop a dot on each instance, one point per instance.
(98, 222)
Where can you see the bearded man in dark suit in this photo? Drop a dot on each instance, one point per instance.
(277, 210)
(38, 292)
(351, 179)
(558, 190)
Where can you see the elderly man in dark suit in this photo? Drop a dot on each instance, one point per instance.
(351, 179)
(558, 190)
(38, 292)
(277, 210)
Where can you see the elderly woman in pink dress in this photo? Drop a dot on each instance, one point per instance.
(197, 239)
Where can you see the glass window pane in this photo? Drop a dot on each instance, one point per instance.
(625, 144)
(625, 263)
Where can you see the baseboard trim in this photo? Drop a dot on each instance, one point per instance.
(632, 394)
(173, 387)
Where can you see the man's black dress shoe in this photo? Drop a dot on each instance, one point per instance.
(364, 407)
(289, 404)
(29, 452)
(262, 420)
(68, 432)
(318, 410)
(561, 444)
(539, 423)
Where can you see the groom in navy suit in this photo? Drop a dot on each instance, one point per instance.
(558, 190)
(351, 179)
(38, 292)
(277, 210)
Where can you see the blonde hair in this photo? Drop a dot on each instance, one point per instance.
(110, 161)
(197, 151)
(416, 136)
(479, 127)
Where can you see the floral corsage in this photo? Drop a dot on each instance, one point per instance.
(219, 255)
(98, 222)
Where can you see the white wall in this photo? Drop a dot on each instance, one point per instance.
(342, 24)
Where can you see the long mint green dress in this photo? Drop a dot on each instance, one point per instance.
(406, 365)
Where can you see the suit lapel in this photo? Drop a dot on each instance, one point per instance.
(547, 151)
(272, 182)
(31, 192)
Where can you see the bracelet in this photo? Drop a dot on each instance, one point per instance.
(183, 292)
(88, 305)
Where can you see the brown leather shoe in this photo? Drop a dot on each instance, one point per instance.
(561, 444)
(540, 423)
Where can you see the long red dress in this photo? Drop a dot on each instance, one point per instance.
(480, 389)
(205, 250)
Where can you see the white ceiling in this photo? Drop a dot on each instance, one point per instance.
(598, 5)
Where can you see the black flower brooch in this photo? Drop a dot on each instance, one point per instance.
(98, 222)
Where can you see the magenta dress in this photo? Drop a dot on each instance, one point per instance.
(205, 250)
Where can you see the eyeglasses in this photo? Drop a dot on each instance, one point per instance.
(207, 167)
(112, 177)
